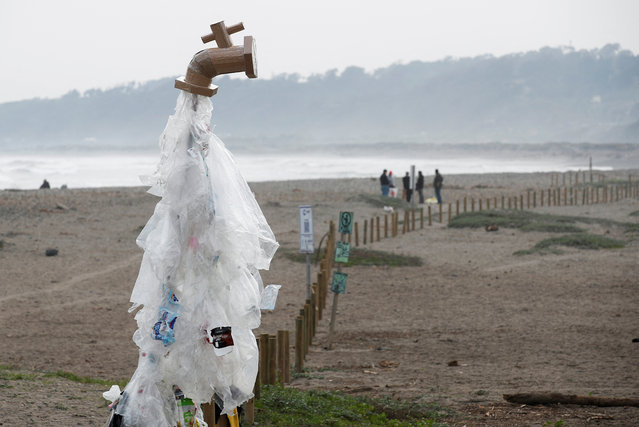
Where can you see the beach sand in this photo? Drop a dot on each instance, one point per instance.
(559, 322)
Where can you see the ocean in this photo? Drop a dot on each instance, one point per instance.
(115, 169)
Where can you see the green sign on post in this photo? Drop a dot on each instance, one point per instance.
(346, 222)
(342, 251)
(339, 283)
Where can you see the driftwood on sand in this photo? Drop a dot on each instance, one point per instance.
(549, 398)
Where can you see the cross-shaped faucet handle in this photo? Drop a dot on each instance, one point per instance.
(221, 34)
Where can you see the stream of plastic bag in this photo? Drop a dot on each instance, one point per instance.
(203, 247)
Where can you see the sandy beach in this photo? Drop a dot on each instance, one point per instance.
(555, 322)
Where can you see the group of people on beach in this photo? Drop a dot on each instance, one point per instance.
(387, 183)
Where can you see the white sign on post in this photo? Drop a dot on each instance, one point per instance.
(306, 229)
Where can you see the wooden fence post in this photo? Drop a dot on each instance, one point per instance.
(283, 362)
(464, 204)
(385, 226)
(440, 213)
(450, 210)
(308, 323)
(372, 230)
(272, 359)
(430, 216)
(280, 357)
(356, 235)
(412, 218)
(457, 207)
(365, 233)
(299, 344)
(314, 304)
(393, 229)
(264, 357)
(421, 217)
(406, 227)
(480, 204)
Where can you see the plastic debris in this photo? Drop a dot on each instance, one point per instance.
(198, 287)
(113, 394)
(269, 297)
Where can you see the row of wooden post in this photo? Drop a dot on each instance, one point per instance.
(377, 228)
(307, 322)
(274, 367)
(274, 350)
(274, 364)
(601, 178)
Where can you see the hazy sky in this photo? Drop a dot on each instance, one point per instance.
(50, 47)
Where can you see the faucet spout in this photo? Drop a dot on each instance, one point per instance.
(224, 59)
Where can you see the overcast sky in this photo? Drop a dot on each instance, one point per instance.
(48, 47)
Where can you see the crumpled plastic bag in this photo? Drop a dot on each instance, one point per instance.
(269, 297)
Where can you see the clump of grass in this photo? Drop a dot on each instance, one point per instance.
(9, 374)
(501, 218)
(296, 256)
(577, 240)
(526, 221)
(632, 228)
(552, 227)
(531, 251)
(582, 241)
(635, 213)
(361, 256)
(83, 380)
(306, 373)
(280, 406)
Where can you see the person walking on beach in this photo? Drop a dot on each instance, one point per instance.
(45, 184)
(383, 181)
(437, 184)
(407, 190)
(419, 186)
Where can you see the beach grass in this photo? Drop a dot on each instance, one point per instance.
(577, 240)
(279, 406)
(363, 256)
(10, 373)
(527, 221)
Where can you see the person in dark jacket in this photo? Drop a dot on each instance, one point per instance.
(437, 184)
(383, 181)
(419, 186)
(407, 189)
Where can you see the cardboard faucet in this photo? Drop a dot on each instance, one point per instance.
(224, 59)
